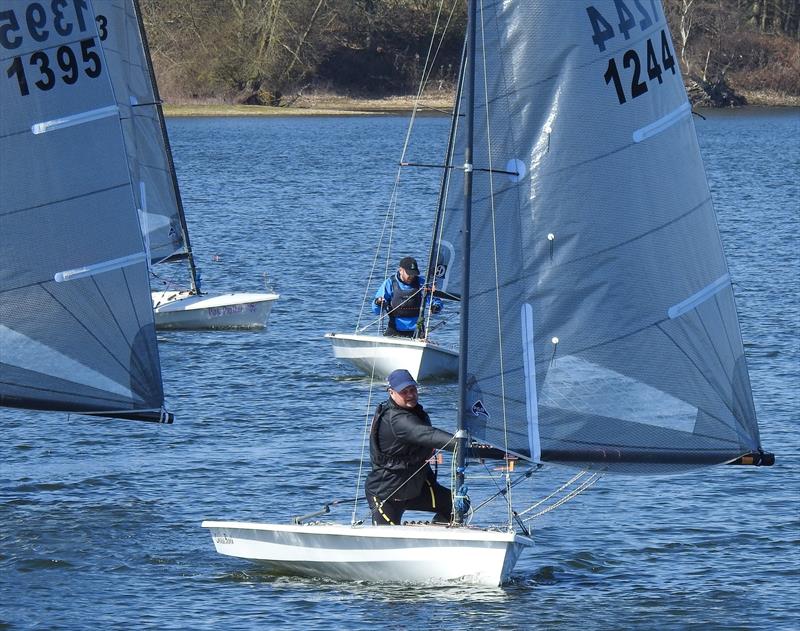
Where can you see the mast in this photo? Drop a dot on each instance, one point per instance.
(451, 143)
(461, 434)
(184, 228)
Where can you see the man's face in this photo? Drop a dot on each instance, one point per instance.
(405, 398)
(405, 276)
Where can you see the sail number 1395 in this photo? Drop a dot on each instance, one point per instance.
(38, 21)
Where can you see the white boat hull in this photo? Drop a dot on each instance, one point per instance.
(184, 310)
(382, 554)
(380, 355)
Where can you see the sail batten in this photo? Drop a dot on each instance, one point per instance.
(617, 342)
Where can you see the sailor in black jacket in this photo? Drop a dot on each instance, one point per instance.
(401, 442)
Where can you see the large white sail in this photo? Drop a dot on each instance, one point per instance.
(76, 320)
(602, 322)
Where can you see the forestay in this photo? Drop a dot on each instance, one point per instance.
(602, 325)
(76, 319)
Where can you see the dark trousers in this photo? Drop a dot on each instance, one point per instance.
(434, 498)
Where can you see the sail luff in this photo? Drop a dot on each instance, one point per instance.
(167, 147)
(461, 436)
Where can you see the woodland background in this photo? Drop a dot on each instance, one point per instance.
(276, 52)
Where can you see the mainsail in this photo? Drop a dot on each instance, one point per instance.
(149, 154)
(76, 318)
(602, 327)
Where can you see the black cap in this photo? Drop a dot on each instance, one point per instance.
(409, 264)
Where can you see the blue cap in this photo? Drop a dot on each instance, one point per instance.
(400, 380)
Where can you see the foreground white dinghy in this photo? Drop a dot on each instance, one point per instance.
(381, 554)
(180, 303)
(379, 355)
(186, 310)
(598, 328)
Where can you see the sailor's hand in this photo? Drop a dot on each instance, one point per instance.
(378, 301)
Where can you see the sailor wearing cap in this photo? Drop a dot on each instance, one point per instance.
(401, 442)
(401, 296)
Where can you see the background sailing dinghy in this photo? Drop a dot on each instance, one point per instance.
(76, 319)
(156, 186)
(598, 326)
(379, 355)
(425, 358)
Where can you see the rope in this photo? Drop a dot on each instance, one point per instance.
(583, 486)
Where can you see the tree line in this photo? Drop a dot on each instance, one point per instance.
(270, 52)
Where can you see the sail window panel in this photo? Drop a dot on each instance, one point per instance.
(95, 339)
(26, 353)
(576, 384)
(646, 384)
(155, 194)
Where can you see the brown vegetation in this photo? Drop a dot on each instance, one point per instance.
(289, 52)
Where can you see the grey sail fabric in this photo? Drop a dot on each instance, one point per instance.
(602, 329)
(76, 319)
(149, 156)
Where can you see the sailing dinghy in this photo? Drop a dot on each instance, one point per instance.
(598, 326)
(424, 357)
(76, 319)
(156, 186)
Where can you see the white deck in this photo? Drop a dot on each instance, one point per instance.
(379, 355)
(184, 310)
(382, 554)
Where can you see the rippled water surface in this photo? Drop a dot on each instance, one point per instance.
(101, 519)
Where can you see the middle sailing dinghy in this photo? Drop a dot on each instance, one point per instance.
(424, 357)
(598, 325)
(156, 186)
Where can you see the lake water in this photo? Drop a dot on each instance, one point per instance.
(100, 520)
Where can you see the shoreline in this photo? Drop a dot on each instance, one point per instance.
(437, 104)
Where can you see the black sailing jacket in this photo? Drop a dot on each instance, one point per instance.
(400, 441)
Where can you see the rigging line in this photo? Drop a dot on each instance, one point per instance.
(574, 478)
(441, 42)
(434, 251)
(364, 441)
(493, 214)
(571, 495)
(392, 209)
(393, 200)
(519, 479)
